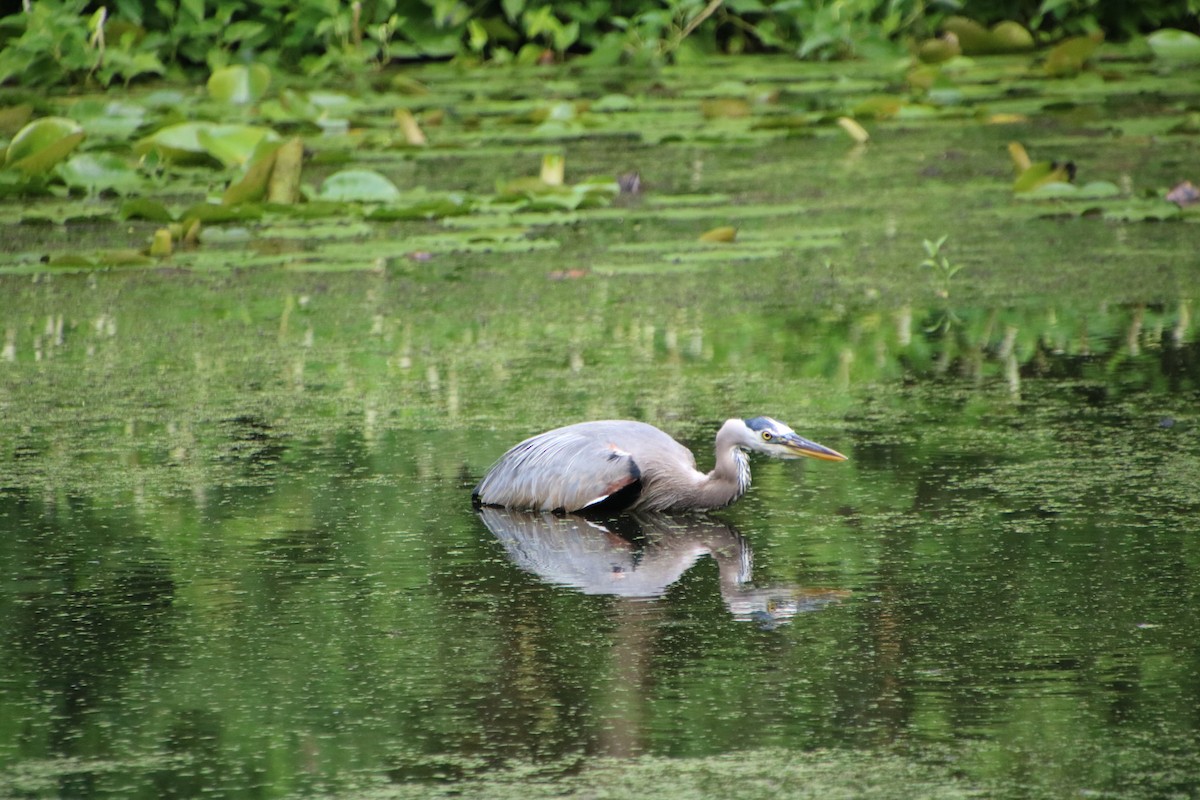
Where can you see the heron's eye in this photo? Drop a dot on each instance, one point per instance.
(766, 436)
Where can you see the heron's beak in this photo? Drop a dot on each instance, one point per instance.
(799, 446)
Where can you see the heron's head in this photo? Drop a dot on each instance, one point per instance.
(770, 436)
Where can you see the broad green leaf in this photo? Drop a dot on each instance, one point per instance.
(723, 234)
(233, 145)
(425, 207)
(359, 186)
(1039, 174)
(1068, 56)
(110, 119)
(239, 84)
(189, 141)
(1011, 37)
(613, 102)
(43, 143)
(253, 185)
(96, 172)
(1089, 191)
(284, 185)
(1170, 44)
(145, 208)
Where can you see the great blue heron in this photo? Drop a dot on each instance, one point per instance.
(617, 465)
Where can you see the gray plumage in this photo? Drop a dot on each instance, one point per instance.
(622, 464)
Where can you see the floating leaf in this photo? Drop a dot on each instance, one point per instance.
(424, 207)
(1170, 44)
(253, 185)
(191, 141)
(1011, 37)
(111, 119)
(724, 107)
(943, 48)
(239, 84)
(975, 40)
(1042, 173)
(879, 107)
(145, 208)
(1055, 188)
(97, 172)
(284, 186)
(409, 127)
(106, 258)
(554, 167)
(43, 143)
(855, 131)
(1068, 56)
(724, 234)
(1144, 211)
(613, 102)
(359, 186)
(1020, 157)
(233, 145)
(161, 245)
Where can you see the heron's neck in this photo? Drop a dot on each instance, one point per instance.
(730, 478)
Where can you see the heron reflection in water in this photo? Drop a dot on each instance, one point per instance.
(641, 555)
(616, 465)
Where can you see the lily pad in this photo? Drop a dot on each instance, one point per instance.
(145, 208)
(359, 186)
(97, 172)
(1042, 173)
(43, 143)
(723, 234)
(1170, 44)
(425, 206)
(240, 84)
(112, 119)
(196, 141)
(1069, 56)
(1089, 191)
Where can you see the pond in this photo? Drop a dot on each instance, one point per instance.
(238, 554)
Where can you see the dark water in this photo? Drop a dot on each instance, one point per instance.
(1001, 583)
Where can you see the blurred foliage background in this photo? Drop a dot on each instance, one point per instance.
(71, 42)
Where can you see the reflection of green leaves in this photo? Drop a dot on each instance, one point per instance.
(239, 84)
(41, 144)
(942, 268)
(359, 186)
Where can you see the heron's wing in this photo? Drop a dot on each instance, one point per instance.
(561, 469)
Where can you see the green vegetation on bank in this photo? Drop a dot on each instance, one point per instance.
(76, 42)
